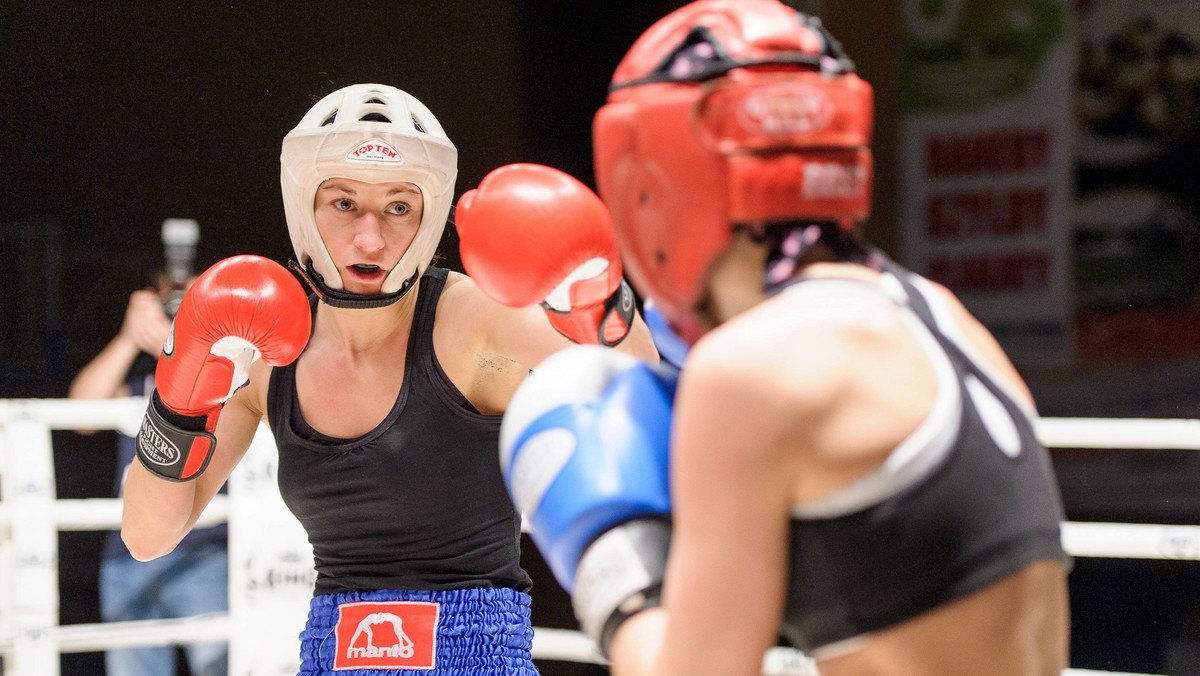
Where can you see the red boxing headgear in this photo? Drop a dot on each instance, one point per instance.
(727, 112)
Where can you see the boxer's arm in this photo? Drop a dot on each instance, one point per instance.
(240, 310)
(734, 458)
(523, 335)
(158, 514)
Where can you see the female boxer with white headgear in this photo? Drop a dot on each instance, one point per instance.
(386, 415)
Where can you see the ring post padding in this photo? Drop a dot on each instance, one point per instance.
(271, 572)
(28, 488)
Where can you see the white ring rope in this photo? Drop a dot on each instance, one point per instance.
(86, 638)
(31, 516)
(1119, 433)
(84, 514)
(1093, 540)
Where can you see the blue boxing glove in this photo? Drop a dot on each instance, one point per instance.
(584, 451)
(671, 347)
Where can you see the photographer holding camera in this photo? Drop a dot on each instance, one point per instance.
(194, 578)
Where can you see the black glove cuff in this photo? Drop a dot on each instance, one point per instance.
(619, 576)
(622, 303)
(167, 440)
(643, 600)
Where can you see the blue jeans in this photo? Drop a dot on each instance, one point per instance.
(186, 582)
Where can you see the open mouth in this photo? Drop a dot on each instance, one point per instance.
(367, 272)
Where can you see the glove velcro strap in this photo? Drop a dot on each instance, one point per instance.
(171, 445)
(618, 316)
(619, 576)
(606, 324)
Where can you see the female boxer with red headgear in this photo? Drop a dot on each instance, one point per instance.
(846, 459)
(387, 414)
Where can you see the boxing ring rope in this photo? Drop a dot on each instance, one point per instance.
(31, 517)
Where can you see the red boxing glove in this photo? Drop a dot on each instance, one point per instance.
(240, 309)
(532, 234)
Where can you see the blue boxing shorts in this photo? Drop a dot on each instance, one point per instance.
(439, 633)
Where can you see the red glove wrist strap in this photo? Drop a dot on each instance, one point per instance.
(173, 446)
(606, 324)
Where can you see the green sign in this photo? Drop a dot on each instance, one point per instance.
(964, 54)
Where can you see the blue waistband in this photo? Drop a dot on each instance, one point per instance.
(478, 631)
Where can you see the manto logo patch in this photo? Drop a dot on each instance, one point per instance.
(791, 108)
(374, 150)
(155, 446)
(386, 635)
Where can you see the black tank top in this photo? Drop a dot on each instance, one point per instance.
(416, 503)
(985, 506)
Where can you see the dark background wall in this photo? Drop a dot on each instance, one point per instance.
(120, 115)
(114, 116)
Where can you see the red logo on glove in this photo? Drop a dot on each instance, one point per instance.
(386, 635)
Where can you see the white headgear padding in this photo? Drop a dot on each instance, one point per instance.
(376, 134)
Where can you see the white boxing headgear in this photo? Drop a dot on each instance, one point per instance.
(376, 134)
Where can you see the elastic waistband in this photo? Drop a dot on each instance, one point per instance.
(438, 633)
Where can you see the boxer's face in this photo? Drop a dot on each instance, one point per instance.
(366, 227)
(735, 281)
